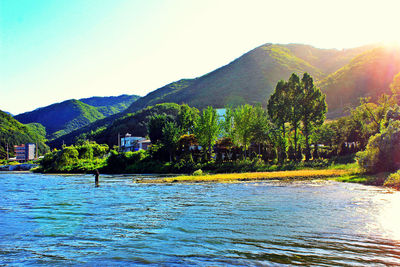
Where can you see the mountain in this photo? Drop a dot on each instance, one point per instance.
(367, 75)
(61, 118)
(252, 77)
(109, 105)
(342, 74)
(12, 132)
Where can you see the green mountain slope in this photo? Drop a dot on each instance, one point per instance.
(12, 132)
(251, 78)
(110, 105)
(61, 118)
(367, 75)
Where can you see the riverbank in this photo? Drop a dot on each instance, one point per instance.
(18, 167)
(253, 176)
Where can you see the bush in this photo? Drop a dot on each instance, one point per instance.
(198, 172)
(393, 180)
(120, 162)
(382, 153)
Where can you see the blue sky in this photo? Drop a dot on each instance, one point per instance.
(51, 50)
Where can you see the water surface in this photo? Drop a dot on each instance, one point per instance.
(65, 220)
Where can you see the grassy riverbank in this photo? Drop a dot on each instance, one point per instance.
(253, 176)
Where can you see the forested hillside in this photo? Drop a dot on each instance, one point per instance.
(13, 133)
(62, 118)
(252, 77)
(65, 117)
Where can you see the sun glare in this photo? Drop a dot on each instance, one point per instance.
(389, 217)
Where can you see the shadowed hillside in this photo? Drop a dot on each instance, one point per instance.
(63, 117)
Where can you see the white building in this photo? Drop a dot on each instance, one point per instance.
(134, 143)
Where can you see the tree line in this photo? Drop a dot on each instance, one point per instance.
(291, 127)
(294, 112)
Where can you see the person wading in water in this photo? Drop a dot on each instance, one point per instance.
(96, 177)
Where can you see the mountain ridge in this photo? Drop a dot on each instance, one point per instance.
(69, 115)
(250, 78)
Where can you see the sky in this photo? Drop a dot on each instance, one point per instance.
(51, 51)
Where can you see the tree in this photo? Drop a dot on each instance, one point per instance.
(382, 153)
(207, 130)
(155, 126)
(227, 123)
(186, 118)
(170, 137)
(294, 102)
(67, 156)
(278, 113)
(373, 114)
(260, 127)
(243, 119)
(312, 109)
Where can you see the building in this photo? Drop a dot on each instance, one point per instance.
(134, 143)
(142, 145)
(25, 152)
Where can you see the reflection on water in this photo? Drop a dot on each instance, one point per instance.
(47, 219)
(389, 214)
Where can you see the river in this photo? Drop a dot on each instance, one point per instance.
(66, 220)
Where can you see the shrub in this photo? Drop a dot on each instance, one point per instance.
(393, 180)
(198, 172)
(382, 153)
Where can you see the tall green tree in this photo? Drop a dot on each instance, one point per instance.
(207, 130)
(186, 118)
(260, 127)
(243, 119)
(294, 100)
(312, 109)
(170, 137)
(278, 111)
(227, 123)
(155, 126)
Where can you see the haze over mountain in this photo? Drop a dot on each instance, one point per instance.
(62, 118)
(367, 75)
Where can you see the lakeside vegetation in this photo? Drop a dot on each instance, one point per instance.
(290, 134)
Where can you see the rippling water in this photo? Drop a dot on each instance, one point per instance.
(65, 220)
